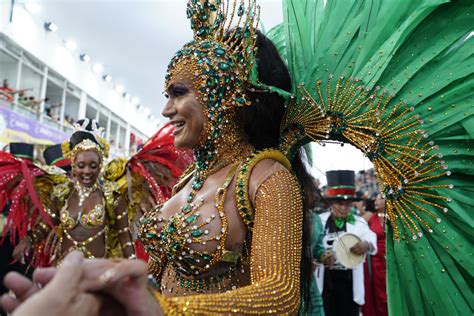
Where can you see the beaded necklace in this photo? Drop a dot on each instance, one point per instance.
(85, 192)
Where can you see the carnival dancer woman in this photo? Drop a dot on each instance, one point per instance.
(230, 238)
(89, 212)
(83, 210)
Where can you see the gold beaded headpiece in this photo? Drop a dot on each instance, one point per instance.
(223, 51)
(220, 62)
(86, 145)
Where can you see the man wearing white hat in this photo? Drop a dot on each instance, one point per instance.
(342, 285)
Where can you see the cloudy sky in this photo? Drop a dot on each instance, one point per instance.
(133, 39)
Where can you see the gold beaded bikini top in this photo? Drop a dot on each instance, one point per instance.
(93, 219)
(178, 238)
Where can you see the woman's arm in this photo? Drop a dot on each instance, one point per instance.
(36, 234)
(274, 263)
(123, 230)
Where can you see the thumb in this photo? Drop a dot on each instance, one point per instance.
(68, 276)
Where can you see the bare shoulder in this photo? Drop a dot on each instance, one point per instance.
(263, 170)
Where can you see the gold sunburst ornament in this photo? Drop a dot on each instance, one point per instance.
(387, 133)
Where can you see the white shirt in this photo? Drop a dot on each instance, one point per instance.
(361, 229)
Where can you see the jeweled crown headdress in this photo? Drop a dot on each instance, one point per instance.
(86, 145)
(225, 38)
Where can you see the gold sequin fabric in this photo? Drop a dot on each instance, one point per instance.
(274, 260)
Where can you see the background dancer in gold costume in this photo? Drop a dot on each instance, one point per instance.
(88, 212)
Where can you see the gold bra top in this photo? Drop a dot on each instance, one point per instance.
(93, 219)
(177, 238)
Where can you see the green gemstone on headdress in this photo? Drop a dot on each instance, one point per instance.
(189, 14)
(212, 8)
(218, 20)
(239, 57)
(221, 92)
(240, 11)
(219, 52)
(247, 32)
(204, 59)
(211, 82)
(240, 100)
(202, 31)
(224, 66)
(216, 105)
(205, 45)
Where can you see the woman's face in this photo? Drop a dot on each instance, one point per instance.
(185, 113)
(87, 168)
(379, 203)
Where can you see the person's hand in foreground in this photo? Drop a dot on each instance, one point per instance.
(121, 285)
(125, 281)
(61, 296)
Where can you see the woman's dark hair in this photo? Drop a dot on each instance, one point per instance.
(370, 205)
(78, 137)
(261, 122)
